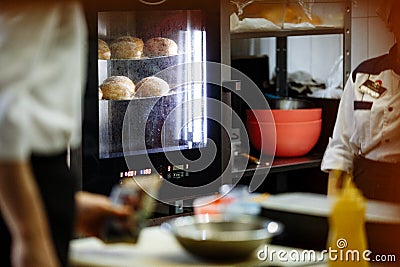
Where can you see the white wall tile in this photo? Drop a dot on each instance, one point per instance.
(373, 6)
(314, 54)
(370, 37)
(379, 38)
(299, 54)
(359, 39)
(326, 50)
(359, 9)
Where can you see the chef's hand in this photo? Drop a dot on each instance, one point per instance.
(93, 210)
(335, 181)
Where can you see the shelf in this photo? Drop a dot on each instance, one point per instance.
(280, 164)
(288, 164)
(287, 33)
(313, 159)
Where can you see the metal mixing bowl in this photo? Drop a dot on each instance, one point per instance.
(222, 237)
(287, 103)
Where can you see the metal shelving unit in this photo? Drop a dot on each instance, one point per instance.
(287, 33)
(313, 159)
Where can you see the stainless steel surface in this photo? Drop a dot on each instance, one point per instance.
(287, 103)
(222, 237)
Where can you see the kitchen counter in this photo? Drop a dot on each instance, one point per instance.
(157, 247)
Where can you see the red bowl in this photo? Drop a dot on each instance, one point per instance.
(293, 139)
(284, 115)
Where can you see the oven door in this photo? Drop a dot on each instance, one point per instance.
(168, 122)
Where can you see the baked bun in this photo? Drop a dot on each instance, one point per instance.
(100, 94)
(118, 88)
(151, 86)
(103, 50)
(127, 47)
(160, 46)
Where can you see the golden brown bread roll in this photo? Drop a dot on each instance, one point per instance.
(127, 47)
(151, 86)
(118, 88)
(103, 50)
(160, 46)
(277, 13)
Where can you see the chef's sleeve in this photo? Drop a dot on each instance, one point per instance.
(42, 76)
(339, 153)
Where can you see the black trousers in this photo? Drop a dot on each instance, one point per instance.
(380, 181)
(57, 188)
(377, 180)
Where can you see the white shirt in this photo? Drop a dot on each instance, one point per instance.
(42, 75)
(372, 133)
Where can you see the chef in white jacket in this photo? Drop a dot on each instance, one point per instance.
(42, 77)
(366, 137)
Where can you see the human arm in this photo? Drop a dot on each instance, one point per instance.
(338, 157)
(93, 210)
(336, 181)
(24, 214)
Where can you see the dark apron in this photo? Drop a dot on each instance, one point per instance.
(377, 180)
(380, 181)
(57, 187)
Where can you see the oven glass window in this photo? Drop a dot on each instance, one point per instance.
(152, 82)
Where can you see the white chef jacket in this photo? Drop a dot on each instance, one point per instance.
(371, 132)
(42, 76)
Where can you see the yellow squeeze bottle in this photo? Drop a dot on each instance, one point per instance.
(347, 241)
